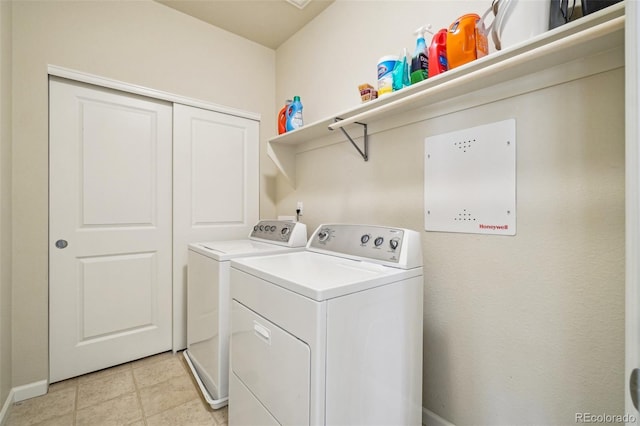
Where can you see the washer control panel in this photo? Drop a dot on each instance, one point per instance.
(292, 234)
(366, 242)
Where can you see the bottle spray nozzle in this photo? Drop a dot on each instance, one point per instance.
(422, 30)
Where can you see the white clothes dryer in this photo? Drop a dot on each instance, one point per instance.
(208, 299)
(331, 335)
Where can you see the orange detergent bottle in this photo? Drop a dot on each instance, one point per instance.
(282, 118)
(466, 40)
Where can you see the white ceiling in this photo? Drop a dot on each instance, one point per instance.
(268, 22)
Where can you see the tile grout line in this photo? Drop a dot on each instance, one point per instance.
(139, 398)
(187, 371)
(122, 368)
(75, 403)
(182, 372)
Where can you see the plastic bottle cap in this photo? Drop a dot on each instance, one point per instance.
(393, 58)
(296, 98)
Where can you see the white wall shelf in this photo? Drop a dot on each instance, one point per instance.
(587, 36)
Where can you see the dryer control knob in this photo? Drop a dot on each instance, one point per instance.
(394, 244)
(323, 235)
(365, 238)
(378, 241)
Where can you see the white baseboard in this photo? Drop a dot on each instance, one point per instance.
(429, 418)
(31, 390)
(4, 413)
(21, 393)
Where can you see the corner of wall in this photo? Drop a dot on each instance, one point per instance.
(21, 393)
(6, 346)
(429, 418)
(6, 408)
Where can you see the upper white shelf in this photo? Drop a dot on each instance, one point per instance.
(583, 37)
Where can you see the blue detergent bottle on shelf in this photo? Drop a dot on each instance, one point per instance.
(294, 114)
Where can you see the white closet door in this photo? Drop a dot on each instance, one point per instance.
(215, 180)
(110, 228)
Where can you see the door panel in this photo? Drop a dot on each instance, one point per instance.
(215, 196)
(103, 281)
(118, 164)
(214, 163)
(110, 199)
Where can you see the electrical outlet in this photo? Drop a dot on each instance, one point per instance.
(299, 207)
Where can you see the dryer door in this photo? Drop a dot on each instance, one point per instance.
(273, 364)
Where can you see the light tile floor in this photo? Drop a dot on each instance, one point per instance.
(154, 391)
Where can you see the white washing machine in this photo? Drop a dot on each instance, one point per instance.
(208, 299)
(331, 335)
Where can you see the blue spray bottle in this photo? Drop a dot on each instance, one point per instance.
(401, 72)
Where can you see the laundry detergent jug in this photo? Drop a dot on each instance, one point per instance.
(282, 117)
(466, 40)
(294, 114)
(438, 53)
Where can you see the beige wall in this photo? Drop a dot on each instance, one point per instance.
(524, 329)
(138, 42)
(517, 330)
(5, 200)
(326, 61)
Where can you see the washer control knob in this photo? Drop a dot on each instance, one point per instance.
(285, 231)
(255, 228)
(273, 228)
(394, 244)
(323, 235)
(378, 241)
(261, 227)
(365, 238)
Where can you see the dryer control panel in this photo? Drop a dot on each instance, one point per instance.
(379, 244)
(290, 234)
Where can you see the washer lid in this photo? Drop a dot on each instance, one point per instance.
(226, 250)
(320, 276)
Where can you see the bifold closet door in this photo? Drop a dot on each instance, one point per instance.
(110, 231)
(215, 189)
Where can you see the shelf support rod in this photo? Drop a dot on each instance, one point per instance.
(365, 153)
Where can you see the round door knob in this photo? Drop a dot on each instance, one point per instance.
(61, 244)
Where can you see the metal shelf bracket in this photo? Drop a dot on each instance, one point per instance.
(364, 153)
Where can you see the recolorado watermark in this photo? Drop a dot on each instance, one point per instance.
(605, 418)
